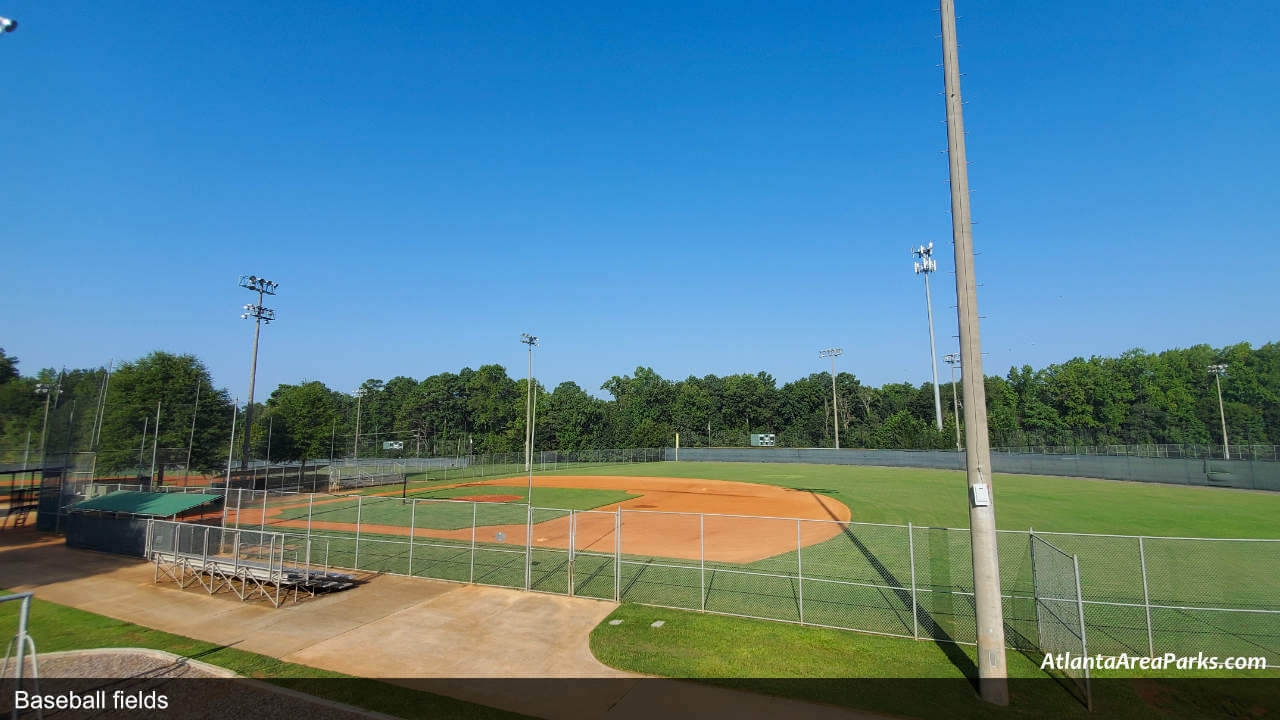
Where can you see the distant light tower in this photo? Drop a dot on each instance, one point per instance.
(833, 353)
(925, 264)
(1218, 371)
(43, 389)
(530, 413)
(953, 359)
(355, 450)
(260, 315)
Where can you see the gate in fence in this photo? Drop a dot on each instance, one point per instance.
(1059, 607)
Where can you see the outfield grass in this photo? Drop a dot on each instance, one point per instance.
(57, 628)
(939, 498)
(757, 655)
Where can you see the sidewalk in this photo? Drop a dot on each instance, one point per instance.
(449, 636)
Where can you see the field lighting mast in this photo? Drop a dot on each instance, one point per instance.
(529, 413)
(952, 359)
(833, 353)
(925, 264)
(1218, 371)
(260, 315)
(992, 669)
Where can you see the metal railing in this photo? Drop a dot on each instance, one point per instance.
(22, 645)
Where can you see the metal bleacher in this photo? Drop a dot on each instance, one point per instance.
(248, 563)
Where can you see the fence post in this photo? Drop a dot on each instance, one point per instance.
(799, 571)
(573, 530)
(911, 557)
(702, 561)
(528, 549)
(413, 518)
(472, 577)
(617, 555)
(356, 562)
(1084, 644)
(263, 524)
(1146, 598)
(1035, 600)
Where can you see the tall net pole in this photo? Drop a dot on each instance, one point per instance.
(992, 671)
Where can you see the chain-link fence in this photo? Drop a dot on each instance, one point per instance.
(1059, 609)
(1139, 595)
(1237, 473)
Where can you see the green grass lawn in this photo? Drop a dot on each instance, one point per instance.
(57, 628)
(938, 498)
(763, 656)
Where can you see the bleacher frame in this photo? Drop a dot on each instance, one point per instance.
(241, 570)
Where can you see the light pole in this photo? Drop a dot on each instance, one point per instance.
(925, 265)
(43, 389)
(356, 449)
(992, 668)
(952, 359)
(1218, 371)
(260, 314)
(529, 414)
(833, 353)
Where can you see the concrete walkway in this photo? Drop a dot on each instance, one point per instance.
(448, 636)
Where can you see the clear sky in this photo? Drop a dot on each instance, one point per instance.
(697, 187)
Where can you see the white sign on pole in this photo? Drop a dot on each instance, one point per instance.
(393, 445)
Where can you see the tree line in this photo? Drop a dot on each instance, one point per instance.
(164, 408)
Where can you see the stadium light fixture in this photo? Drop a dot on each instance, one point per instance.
(7, 25)
(992, 664)
(530, 413)
(261, 315)
(1218, 371)
(833, 353)
(43, 389)
(953, 359)
(926, 265)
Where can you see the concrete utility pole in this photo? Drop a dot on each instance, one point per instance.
(992, 670)
(951, 359)
(1218, 371)
(260, 315)
(833, 353)
(925, 265)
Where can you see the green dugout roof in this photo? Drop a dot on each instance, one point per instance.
(146, 503)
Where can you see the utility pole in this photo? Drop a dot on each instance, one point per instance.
(992, 669)
(529, 411)
(833, 353)
(952, 359)
(1218, 371)
(260, 315)
(926, 265)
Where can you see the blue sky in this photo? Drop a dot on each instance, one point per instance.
(697, 187)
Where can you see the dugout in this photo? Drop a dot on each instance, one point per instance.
(117, 522)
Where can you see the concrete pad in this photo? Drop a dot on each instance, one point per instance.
(473, 631)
